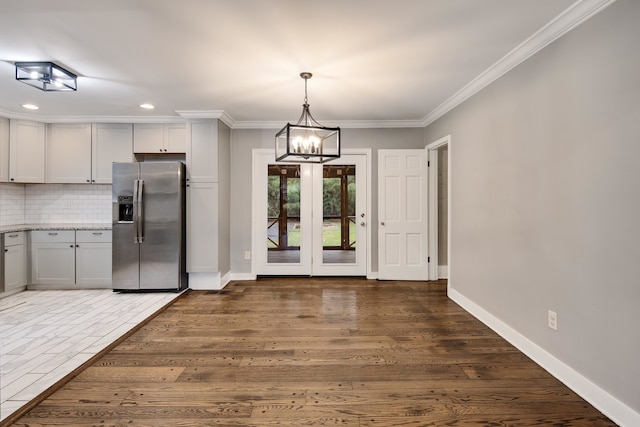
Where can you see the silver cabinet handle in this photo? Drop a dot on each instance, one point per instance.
(13, 236)
(53, 234)
(97, 233)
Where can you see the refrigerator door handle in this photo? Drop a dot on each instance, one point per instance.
(136, 206)
(140, 211)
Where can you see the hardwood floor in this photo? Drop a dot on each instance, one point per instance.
(295, 352)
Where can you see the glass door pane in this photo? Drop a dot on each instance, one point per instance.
(338, 210)
(283, 214)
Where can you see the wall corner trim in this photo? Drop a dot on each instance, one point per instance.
(574, 15)
(613, 408)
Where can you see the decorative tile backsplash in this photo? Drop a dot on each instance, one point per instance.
(54, 203)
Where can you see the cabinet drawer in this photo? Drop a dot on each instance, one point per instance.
(53, 236)
(91, 236)
(12, 239)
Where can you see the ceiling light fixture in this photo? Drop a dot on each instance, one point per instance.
(147, 106)
(307, 141)
(30, 106)
(46, 76)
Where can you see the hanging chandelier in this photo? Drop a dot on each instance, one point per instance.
(307, 141)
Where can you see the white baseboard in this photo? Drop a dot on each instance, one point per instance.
(613, 408)
(443, 272)
(206, 281)
(243, 276)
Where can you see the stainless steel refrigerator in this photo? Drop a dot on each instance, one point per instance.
(149, 226)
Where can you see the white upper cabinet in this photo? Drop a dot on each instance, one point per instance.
(4, 149)
(110, 142)
(175, 137)
(68, 154)
(26, 151)
(202, 157)
(159, 138)
(83, 153)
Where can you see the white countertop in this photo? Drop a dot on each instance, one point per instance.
(65, 226)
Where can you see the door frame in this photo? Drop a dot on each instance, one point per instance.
(256, 228)
(432, 155)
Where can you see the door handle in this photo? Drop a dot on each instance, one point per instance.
(362, 223)
(382, 223)
(140, 212)
(135, 211)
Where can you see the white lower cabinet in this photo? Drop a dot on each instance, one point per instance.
(71, 258)
(93, 258)
(53, 260)
(15, 261)
(202, 227)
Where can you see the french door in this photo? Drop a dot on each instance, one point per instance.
(309, 219)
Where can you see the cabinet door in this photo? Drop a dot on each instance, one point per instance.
(93, 264)
(68, 153)
(202, 228)
(202, 156)
(15, 274)
(148, 138)
(109, 143)
(53, 263)
(4, 149)
(175, 138)
(26, 151)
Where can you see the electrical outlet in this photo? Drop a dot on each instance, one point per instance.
(247, 255)
(553, 320)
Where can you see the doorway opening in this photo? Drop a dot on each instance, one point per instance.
(439, 204)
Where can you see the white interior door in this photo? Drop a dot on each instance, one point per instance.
(402, 215)
(291, 233)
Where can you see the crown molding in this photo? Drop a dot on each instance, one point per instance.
(573, 16)
(208, 114)
(344, 124)
(90, 119)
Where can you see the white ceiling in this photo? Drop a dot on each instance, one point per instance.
(392, 61)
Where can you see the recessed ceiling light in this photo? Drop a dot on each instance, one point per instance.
(147, 106)
(30, 106)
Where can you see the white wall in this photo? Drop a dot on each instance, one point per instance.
(545, 202)
(243, 141)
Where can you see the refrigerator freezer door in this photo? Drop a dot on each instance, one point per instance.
(161, 225)
(125, 253)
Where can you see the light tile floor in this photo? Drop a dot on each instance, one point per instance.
(44, 335)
